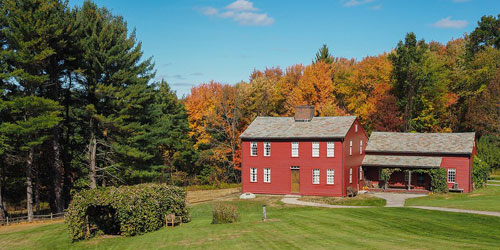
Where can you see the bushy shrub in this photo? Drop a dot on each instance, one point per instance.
(480, 173)
(125, 210)
(224, 213)
(438, 180)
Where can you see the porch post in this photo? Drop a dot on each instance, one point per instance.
(409, 179)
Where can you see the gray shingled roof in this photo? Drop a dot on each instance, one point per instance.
(287, 128)
(430, 143)
(402, 161)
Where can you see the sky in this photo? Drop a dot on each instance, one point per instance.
(196, 41)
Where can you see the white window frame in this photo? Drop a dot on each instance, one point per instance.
(315, 149)
(316, 176)
(267, 175)
(350, 147)
(252, 152)
(330, 149)
(350, 175)
(295, 149)
(356, 128)
(454, 171)
(330, 176)
(253, 174)
(361, 147)
(266, 145)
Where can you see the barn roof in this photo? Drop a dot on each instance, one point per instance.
(287, 128)
(428, 143)
(401, 161)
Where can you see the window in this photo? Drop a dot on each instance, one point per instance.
(451, 175)
(360, 147)
(350, 148)
(330, 176)
(253, 148)
(330, 149)
(350, 175)
(295, 149)
(267, 175)
(315, 149)
(253, 175)
(360, 173)
(315, 176)
(356, 128)
(267, 149)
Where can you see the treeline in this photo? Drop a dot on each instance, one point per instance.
(79, 106)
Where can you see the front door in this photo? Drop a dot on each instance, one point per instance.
(295, 188)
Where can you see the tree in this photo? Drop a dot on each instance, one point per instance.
(486, 34)
(31, 119)
(323, 55)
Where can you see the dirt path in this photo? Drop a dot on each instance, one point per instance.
(396, 199)
(455, 210)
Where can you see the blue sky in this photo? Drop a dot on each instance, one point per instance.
(195, 41)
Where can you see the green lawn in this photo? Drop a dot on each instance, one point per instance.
(291, 227)
(358, 200)
(486, 199)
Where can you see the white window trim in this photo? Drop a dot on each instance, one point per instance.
(350, 147)
(356, 127)
(319, 176)
(297, 149)
(251, 147)
(330, 176)
(265, 144)
(454, 175)
(361, 147)
(350, 175)
(267, 172)
(315, 149)
(253, 173)
(330, 151)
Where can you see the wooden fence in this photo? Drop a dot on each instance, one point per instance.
(8, 221)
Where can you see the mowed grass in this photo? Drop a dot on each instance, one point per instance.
(359, 200)
(485, 199)
(290, 228)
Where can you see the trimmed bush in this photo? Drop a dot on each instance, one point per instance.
(125, 210)
(480, 173)
(224, 213)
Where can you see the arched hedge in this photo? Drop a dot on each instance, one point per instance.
(125, 210)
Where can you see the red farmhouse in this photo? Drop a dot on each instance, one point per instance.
(412, 151)
(304, 154)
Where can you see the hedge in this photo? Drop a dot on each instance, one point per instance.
(480, 173)
(125, 210)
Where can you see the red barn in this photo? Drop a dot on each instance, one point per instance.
(304, 154)
(410, 152)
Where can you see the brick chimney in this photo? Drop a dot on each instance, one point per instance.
(304, 113)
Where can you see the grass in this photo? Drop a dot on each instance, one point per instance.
(213, 186)
(289, 227)
(359, 200)
(486, 199)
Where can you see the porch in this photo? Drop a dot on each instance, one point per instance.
(398, 173)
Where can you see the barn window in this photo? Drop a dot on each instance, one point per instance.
(267, 175)
(295, 149)
(253, 174)
(330, 149)
(451, 175)
(315, 176)
(253, 148)
(330, 176)
(315, 149)
(267, 149)
(356, 128)
(350, 147)
(361, 147)
(350, 175)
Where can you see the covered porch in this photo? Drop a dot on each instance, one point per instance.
(398, 173)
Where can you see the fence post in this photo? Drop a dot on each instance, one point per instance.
(7, 220)
(50, 216)
(264, 212)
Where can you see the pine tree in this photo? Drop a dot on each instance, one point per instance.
(324, 55)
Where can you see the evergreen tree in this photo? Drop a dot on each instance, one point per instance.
(486, 34)
(324, 55)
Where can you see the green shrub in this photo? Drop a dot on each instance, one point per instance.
(480, 173)
(438, 180)
(126, 210)
(224, 213)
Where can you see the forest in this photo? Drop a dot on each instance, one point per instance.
(80, 107)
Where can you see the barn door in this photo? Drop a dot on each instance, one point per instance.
(295, 188)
